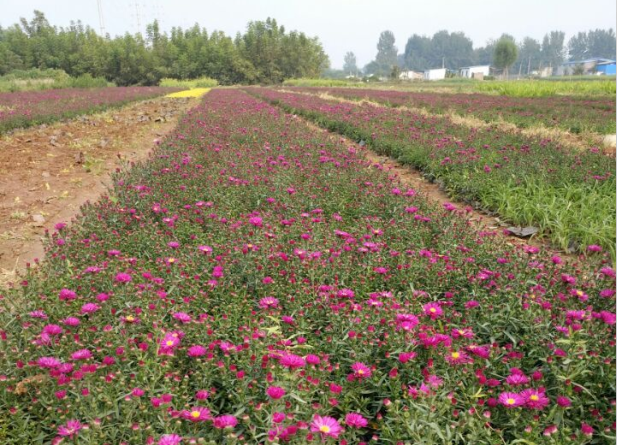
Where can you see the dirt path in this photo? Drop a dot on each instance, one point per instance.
(48, 172)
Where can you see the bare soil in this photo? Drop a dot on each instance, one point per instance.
(48, 172)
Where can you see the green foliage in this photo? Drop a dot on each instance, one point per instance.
(202, 82)
(266, 53)
(505, 54)
(595, 43)
(37, 79)
(304, 82)
(542, 88)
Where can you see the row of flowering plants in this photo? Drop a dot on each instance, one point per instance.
(568, 194)
(570, 113)
(257, 281)
(29, 108)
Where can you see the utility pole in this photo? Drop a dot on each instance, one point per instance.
(529, 66)
(101, 20)
(443, 62)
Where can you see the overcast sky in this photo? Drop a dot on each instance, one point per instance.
(341, 25)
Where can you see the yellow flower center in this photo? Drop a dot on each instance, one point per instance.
(130, 318)
(169, 343)
(432, 310)
(250, 246)
(534, 398)
(579, 293)
(195, 414)
(510, 401)
(172, 260)
(455, 355)
(360, 371)
(324, 429)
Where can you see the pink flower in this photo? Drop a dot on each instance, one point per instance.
(67, 294)
(404, 357)
(535, 399)
(586, 429)
(70, 428)
(458, 358)
(312, 359)
(432, 310)
(292, 361)
(205, 249)
(182, 317)
(197, 351)
(361, 371)
(511, 399)
(71, 321)
(90, 308)
(170, 439)
(256, 221)
(226, 421)
(123, 278)
(196, 414)
(355, 420)
(268, 303)
(563, 401)
(48, 362)
(326, 426)
(82, 354)
(275, 392)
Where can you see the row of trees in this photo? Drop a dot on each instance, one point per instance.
(264, 53)
(454, 50)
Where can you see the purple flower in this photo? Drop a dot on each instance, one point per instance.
(355, 420)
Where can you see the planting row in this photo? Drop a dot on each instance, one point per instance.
(569, 195)
(255, 281)
(570, 113)
(28, 108)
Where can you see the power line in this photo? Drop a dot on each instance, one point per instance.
(101, 19)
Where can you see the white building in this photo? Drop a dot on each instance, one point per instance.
(411, 75)
(436, 74)
(475, 71)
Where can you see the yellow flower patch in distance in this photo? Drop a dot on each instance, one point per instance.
(194, 92)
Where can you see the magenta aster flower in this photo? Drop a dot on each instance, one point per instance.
(82, 354)
(458, 358)
(563, 401)
(197, 351)
(355, 420)
(292, 361)
(432, 310)
(361, 371)
(511, 399)
(326, 426)
(70, 428)
(48, 362)
(196, 414)
(123, 278)
(90, 308)
(67, 294)
(275, 392)
(535, 399)
(268, 303)
(170, 439)
(226, 421)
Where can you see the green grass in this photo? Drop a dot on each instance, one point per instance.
(202, 82)
(36, 79)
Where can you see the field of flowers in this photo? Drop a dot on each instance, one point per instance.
(569, 195)
(255, 282)
(28, 108)
(571, 113)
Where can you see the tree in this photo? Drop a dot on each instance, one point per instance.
(350, 66)
(553, 48)
(530, 54)
(386, 53)
(505, 54)
(595, 43)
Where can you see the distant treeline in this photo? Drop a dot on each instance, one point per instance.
(264, 53)
(454, 50)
